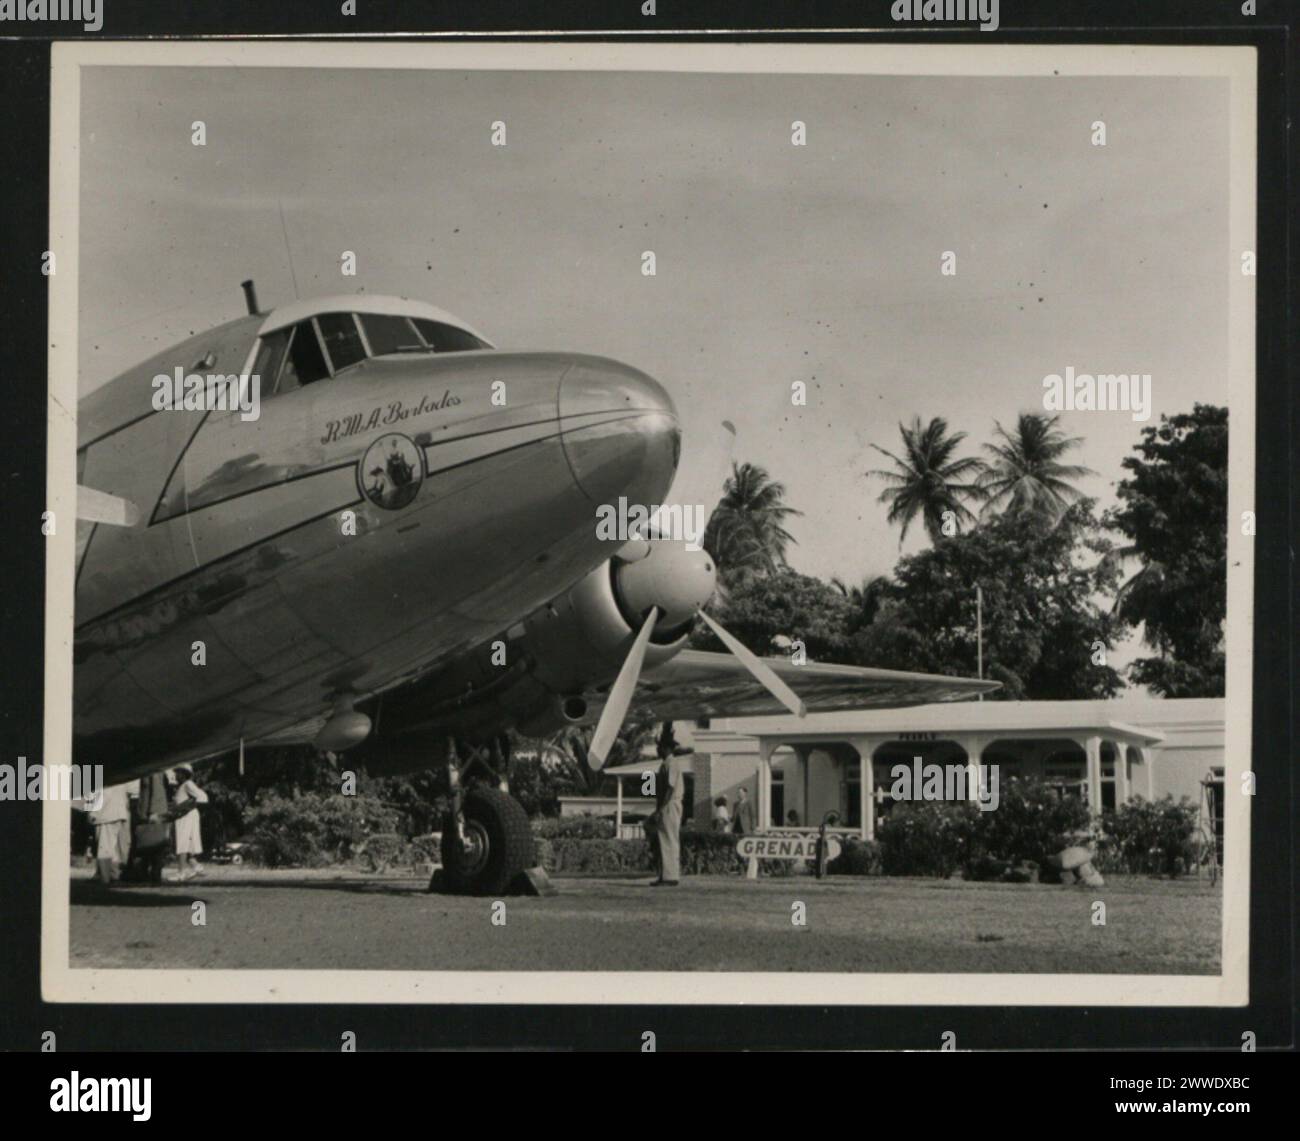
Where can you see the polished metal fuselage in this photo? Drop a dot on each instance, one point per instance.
(263, 585)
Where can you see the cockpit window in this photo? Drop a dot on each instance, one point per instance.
(342, 339)
(442, 338)
(306, 363)
(389, 334)
(323, 346)
(270, 355)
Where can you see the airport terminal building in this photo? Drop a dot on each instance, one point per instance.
(797, 771)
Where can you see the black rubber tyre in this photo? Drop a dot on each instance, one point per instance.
(499, 844)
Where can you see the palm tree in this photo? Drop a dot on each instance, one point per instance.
(746, 532)
(864, 600)
(566, 751)
(926, 480)
(1025, 477)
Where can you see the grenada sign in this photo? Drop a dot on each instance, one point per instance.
(800, 847)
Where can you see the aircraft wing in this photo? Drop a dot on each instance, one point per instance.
(697, 683)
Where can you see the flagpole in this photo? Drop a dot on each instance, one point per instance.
(979, 631)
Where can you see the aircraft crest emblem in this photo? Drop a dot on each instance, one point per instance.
(391, 471)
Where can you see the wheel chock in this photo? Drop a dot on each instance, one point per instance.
(533, 881)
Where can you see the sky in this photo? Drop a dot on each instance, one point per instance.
(774, 263)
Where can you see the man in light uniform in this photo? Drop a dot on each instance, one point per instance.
(669, 793)
(112, 821)
(742, 820)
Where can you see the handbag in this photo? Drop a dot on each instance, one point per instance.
(151, 834)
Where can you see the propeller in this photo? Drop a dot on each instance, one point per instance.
(620, 696)
(94, 506)
(756, 666)
(672, 584)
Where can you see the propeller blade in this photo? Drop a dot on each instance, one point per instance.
(634, 550)
(759, 668)
(620, 696)
(94, 506)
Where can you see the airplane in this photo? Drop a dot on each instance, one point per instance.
(399, 556)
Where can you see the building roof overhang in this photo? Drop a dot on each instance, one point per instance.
(1000, 718)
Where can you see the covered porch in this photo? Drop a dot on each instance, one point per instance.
(806, 771)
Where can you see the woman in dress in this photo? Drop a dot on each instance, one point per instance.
(189, 842)
(721, 816)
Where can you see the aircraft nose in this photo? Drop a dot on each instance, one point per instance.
(620, 432)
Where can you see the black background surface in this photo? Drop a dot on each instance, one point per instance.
(24, 149)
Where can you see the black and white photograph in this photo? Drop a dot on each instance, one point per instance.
(689, 523)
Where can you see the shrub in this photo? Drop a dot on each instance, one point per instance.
(570, 854)
(857, 858)
(991, 869)
(384, 849)
(426, 849)
(1151, 837)
(315, 829)
(925, 838)
(702, 853)
(708, 853)
(574, 828)
(1030, 822)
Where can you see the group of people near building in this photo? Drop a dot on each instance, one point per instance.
(139, 823)
(739, 820)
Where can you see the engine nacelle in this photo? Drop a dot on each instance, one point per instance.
(575, 643)
(583, 636)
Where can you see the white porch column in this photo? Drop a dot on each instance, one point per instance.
(765, 750)
(618, 811)
(1148, 763)
(866, 747)
(868, 765)
(764, 821)
(1121, 772)
(1092, 750)
(974, 746)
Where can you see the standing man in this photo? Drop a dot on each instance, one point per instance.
(743, 817)
(152, 831)
(669, 793)
(110, 813)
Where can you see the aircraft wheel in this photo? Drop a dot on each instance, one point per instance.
(498, 844)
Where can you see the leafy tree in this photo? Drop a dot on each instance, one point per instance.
(421, 797)
(746, 533)
(540, 775)
(1026, 477)
(280, 772)
(864, 600)
(926, 479)
(1045, 634)
(769, 612)
(1174, 511)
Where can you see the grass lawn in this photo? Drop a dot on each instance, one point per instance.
(346, 920)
